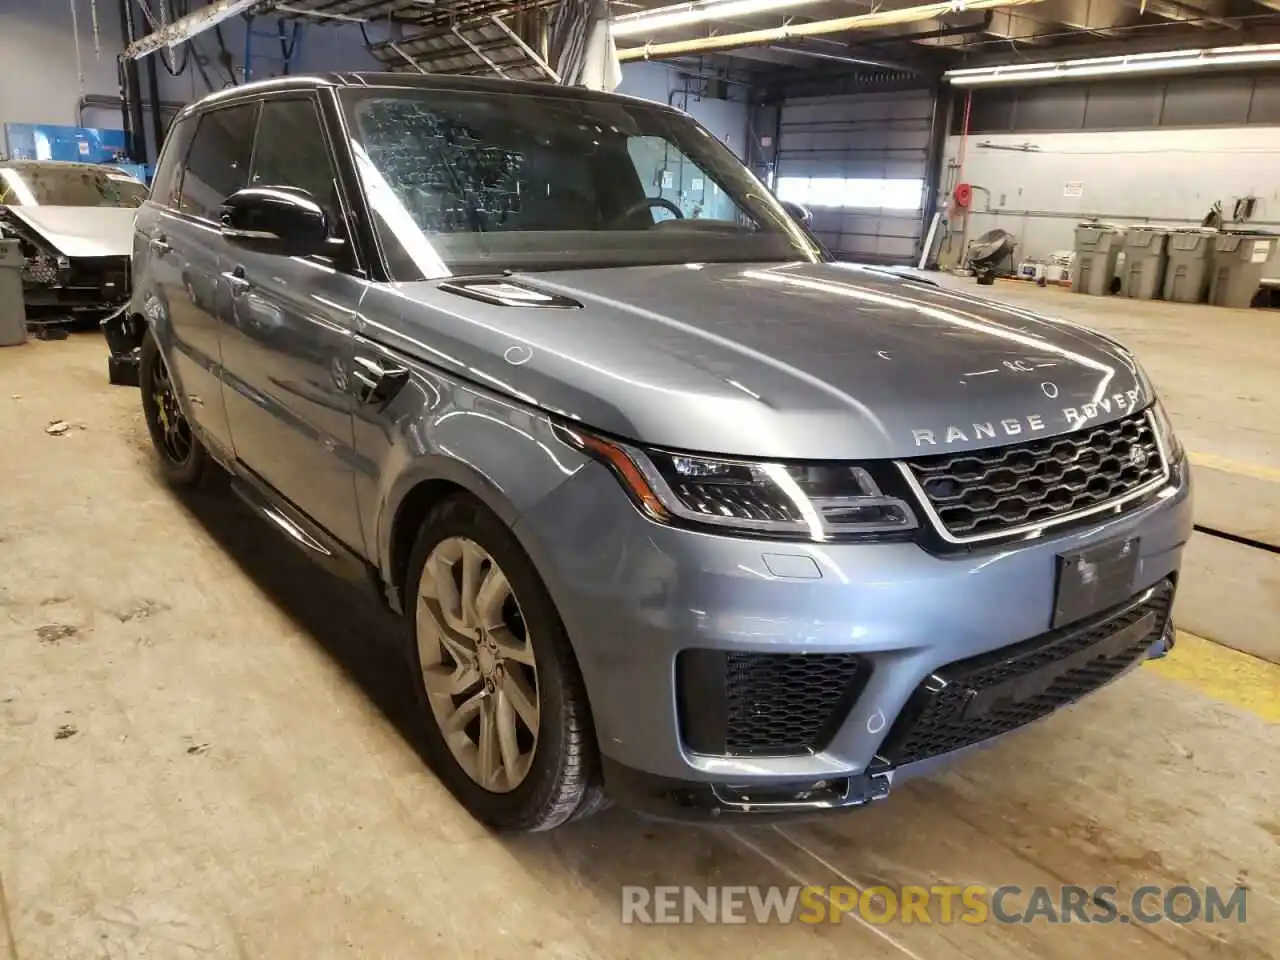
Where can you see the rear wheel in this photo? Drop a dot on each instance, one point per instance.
(509, 727)
(183, 458)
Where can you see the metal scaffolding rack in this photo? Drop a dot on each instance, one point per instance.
(470, 37)
(463, 37)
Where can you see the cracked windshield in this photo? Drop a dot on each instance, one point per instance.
(461, 181)
(67, 185)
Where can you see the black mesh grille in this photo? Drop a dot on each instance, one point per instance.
(783, 702)
(986, 492)
(772, 704)
(1024, 682)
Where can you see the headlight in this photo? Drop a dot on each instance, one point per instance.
(795, 501)
(1168, 439)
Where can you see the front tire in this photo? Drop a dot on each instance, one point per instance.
(183, 458)
(509, 729)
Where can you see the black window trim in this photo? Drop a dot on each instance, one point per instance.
(355, 218)
(198, 116)
(355, 267)
(360, 216)
(176, 130)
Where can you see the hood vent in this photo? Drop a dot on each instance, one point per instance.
(505, 292)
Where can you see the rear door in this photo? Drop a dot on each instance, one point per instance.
(185, 244)
(287, 335)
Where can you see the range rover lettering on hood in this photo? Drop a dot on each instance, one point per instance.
(1072, 418)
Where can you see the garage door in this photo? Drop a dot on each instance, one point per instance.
(859, 163)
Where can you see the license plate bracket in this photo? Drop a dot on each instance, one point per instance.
(1094, 579)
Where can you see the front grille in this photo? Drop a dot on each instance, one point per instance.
(1015, 685)
(773, 704)
(984, 493)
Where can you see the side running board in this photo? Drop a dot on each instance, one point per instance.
(312, 539)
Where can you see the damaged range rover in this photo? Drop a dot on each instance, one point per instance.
(74, 222)
(676, 510)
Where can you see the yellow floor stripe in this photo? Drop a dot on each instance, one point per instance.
(1214, 462)
(1224, 674)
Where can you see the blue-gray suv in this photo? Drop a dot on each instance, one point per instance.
(677, 510)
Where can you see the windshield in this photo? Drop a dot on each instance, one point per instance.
(68, 185)
(462, 181)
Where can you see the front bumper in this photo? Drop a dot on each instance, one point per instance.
(637, 598)
(84, 285)
(124, 345)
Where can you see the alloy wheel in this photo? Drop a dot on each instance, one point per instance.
(175, 432)
(478, 664)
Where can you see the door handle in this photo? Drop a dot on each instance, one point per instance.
(159, 245)
(377, 383)
(236, 281)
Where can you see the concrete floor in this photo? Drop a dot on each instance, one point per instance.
(207, 750)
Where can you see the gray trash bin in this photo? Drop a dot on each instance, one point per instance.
(1145, 257)
(1186, 275)
(13, 313)
(1097, 247)
(1240, 263)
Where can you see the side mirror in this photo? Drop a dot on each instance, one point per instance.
(801, 214)
(283, 221)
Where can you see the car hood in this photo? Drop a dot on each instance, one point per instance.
(82, 231)
(805, 361)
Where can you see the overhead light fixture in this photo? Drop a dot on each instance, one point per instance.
(878, 19)
(697, 11)
(1172, 61)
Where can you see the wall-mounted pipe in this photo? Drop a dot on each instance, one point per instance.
(864, 21)
(131, 90)
(849, 58)
(157, 120)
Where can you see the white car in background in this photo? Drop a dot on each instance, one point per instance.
(75, 224)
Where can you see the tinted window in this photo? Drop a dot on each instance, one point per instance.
(218, 163)
(165, 188)
(291, 151)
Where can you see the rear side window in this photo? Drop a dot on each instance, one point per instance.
(166, 186)
(291, 151)
(218, 161)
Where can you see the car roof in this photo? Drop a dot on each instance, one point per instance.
(411, 81)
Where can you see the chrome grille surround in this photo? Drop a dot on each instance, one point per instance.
(964, 505)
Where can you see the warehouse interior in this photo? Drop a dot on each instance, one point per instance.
(210, 749)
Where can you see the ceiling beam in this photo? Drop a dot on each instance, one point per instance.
(866, 21)
(1180, 11)
(192, 25)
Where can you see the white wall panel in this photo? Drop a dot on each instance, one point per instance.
(1144, 176)
(661, 82)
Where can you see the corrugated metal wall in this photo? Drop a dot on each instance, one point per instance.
(868, 135)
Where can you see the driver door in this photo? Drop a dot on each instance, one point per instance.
(287, 335)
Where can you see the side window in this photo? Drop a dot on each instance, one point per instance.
(291, 152)
(167, 183)
(218, 162)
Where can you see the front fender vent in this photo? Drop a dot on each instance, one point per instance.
(502, 291)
